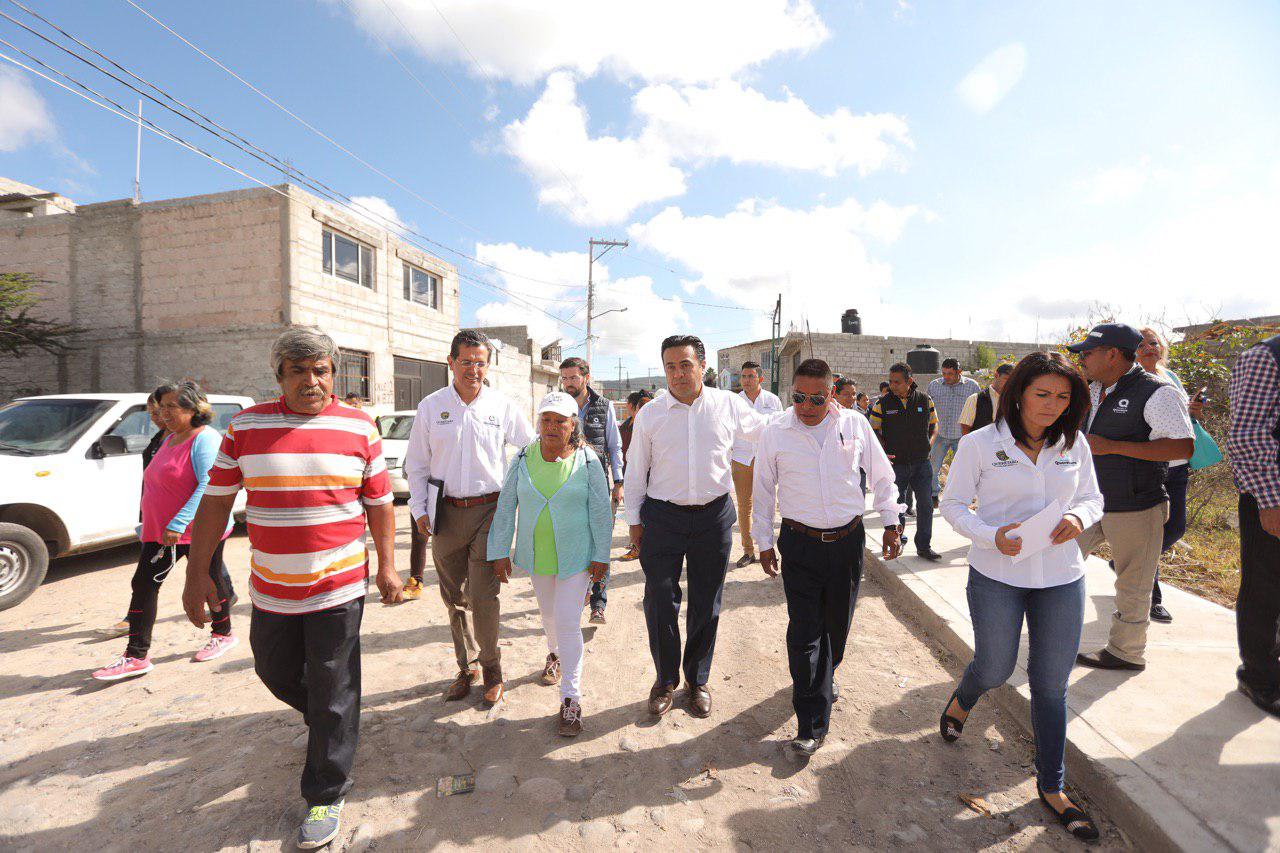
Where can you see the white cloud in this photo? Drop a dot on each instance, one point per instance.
(603, 180)
(1117, 184)
(634, 332)
(992, 78)
(738, 123)
(377, 211)
(525, 40)
(597, 180)
(818, 259)
(24, 118)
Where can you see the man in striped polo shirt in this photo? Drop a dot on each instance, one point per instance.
(314, 472)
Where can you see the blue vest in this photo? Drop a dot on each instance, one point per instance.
(1128, 484)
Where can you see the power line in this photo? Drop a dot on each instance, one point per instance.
(98, 99)
(274, 162)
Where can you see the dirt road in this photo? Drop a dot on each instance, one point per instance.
(199, 757)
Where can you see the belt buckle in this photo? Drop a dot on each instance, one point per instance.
(826, 533)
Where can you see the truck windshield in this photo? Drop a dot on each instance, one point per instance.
(41, 427)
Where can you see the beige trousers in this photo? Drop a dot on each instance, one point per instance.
(742, 475)
(1135, 539)
(467, 581)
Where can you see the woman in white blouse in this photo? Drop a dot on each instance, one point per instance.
(1032, 456)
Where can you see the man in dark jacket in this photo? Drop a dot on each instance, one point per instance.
(906, 423)
(980, 409)
(1138, 423)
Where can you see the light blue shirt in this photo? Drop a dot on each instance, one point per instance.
(581, 515)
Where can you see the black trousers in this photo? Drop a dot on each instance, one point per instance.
(154, 564)
(673, 538)
(1258, 604)
(311, 662)
(820, 580)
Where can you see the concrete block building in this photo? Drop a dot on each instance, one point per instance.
(199, 287)
(864, 358)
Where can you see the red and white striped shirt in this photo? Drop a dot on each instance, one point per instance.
(309, 478)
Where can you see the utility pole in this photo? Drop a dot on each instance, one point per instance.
(619, 373)
(137, 165)
(775, 331)
(592, 257)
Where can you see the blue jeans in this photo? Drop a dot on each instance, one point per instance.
(937, 453)
(1055, 618)
(914, 477)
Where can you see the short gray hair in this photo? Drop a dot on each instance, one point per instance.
(302, 343)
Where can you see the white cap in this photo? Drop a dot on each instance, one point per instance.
(560, 403)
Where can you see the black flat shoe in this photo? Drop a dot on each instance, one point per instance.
(1159, 614)
(948, 726)
(1076, 821)
(1103, 659)
(930, 554)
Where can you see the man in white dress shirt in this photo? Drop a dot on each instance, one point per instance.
(744, 452)
(458, 440)
(676, 494)
(810, 461)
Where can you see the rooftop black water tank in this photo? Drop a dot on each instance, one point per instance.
(850, 322)
(924, 359)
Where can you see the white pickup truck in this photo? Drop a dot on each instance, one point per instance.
(71, 478)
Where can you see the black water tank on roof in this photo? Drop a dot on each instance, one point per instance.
(850, 322)
(924, 359)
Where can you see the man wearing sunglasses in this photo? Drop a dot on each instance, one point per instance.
(810, 462)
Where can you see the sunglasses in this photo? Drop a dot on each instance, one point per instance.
(814, 399)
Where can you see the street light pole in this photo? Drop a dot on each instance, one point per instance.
(592, 257)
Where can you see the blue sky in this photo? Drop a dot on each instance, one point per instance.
(981, 170)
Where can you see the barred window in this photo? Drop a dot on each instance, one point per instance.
(353, 374)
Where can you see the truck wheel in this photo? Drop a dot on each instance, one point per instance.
(24, 559)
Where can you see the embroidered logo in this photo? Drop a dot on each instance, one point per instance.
(1003, 460)
(493, 419)
(444, 416)
(1122, 404)
(1002, 456)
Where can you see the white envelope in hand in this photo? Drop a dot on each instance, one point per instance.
(1035, 531)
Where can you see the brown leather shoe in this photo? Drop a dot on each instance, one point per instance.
(660, 698)
(493, 688)
(461, 685)
(699, 700)
(570, 718)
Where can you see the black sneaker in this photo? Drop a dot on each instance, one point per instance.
(745, 560)
(806, 745)
(320, 827)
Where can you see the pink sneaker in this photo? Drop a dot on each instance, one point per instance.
(125, 667)
(218, 645)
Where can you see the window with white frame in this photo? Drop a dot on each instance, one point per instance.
(347, 258)
(421, 286)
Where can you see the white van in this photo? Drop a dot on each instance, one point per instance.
(394, 429)
(71, 478)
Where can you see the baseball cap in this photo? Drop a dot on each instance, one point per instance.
(560, 403)
(1119, 335)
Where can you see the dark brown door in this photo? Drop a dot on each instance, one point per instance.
(416, 379)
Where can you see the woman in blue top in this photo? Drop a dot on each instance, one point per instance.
(556, 489)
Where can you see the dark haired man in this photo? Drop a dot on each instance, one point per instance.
(677, 503)
(846, 392)
(1138, 423)
(599, 425)
(810, 462)
(1253, 446)
(980, 409)
(744, 454)
(455, 465)
(907, 424)
(949, 392)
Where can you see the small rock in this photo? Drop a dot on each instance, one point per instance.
(542, 789)
(422, 723)
(577, 793)
(913, 834)
(628, 744)
(993, 744)
(659, 816)
(632, 817)
(494, 778)
(360, 839)
(301, 740)
(596, 832)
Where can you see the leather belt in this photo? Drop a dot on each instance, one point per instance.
(834, 534)
(481, 500)
(697, 507)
